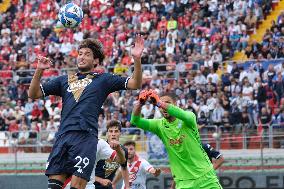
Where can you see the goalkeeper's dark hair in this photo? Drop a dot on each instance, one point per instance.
(171, 95)
(129, 143)
(96, 47)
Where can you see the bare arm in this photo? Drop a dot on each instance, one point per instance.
(117, 178)
(125, 176)
(218, 162)
(120, 155)
(34, 89)
(120, 158)
(102, 181)
(135, 82)
(173, 186)
(155, 171)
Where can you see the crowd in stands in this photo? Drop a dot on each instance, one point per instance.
(272, 45)
(203, 33)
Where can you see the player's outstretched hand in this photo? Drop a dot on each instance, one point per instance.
(114, 144)
(143, 96)
(157, 172)
(105, 182)
(138, 48)
(43, 63)
(154, 97)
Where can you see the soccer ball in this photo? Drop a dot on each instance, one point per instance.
(215, 135)
(70, 15)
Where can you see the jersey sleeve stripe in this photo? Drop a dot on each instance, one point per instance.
(41, 88)
(218, 156)
(113, 155)
(126, 82)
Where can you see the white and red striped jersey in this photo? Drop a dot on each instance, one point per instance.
(137, 173)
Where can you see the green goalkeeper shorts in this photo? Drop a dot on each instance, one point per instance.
(206, 181)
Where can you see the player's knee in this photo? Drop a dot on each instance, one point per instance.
(54, 184)
(78, 183)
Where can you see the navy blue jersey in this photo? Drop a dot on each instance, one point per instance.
(106, 169)
(82, 97)
(211, 152)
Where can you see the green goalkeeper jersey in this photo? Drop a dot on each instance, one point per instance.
(181, 138)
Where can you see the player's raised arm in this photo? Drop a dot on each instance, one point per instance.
(120, 156)
(188, 117)
(135, 82)
(34, 89)
(218, 162)
(137, 120)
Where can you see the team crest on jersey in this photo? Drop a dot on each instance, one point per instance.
(77, 86)
(110, 167)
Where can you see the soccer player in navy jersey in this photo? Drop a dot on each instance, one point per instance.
(83, 94)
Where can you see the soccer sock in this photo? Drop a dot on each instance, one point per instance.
(54, 184)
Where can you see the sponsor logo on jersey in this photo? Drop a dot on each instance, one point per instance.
(176, 141)
(110, 167)
(80, 84)
(77, 86)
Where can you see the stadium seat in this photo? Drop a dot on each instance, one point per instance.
(225, 141)
(254, 142)
(237, 141)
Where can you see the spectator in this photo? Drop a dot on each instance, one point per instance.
(217, 114)
(264, 117)
(23, 135)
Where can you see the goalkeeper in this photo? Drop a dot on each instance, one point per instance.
(189, 163)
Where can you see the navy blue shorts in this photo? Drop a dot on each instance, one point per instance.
(74, 153)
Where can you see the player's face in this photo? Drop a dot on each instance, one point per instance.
(131, 151)
(113, 133)
(85, 60)
(167, 100)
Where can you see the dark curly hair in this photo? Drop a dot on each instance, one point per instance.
(96, 47)
(114, 123)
